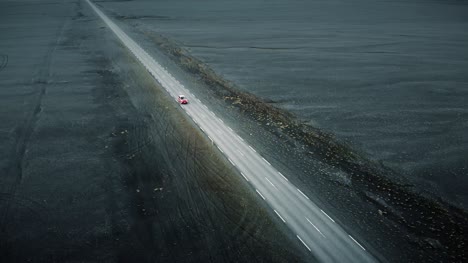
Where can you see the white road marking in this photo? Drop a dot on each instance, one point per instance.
(240, 152)
(201, 128)
(229, 128)
(271, 183)
(244, 176)
(220, 120)
(284, 221)
(260, 194)
(357, 243)
(303, 243)
(283, 176)
(210, 138)
(252, 148)
(266, 161)
(315, 227)
(231, 162)
(328, 216)
(302, 193)
(240, 138)
(204, 106)
(219, 149)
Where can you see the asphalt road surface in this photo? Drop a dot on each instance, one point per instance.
(312, 226)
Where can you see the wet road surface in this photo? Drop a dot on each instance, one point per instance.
(312, 226)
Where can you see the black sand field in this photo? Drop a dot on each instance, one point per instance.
(387, 77)
(99, 165)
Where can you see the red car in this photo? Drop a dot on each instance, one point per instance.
(182, 100)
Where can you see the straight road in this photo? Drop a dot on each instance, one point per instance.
(314, 229)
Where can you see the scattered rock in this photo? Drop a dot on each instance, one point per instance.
(433, 243)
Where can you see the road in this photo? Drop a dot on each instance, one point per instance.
(315, 229)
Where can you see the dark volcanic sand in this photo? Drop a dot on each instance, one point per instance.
(392, 221)
(388, 77)
(95, 169)
(93, 165)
